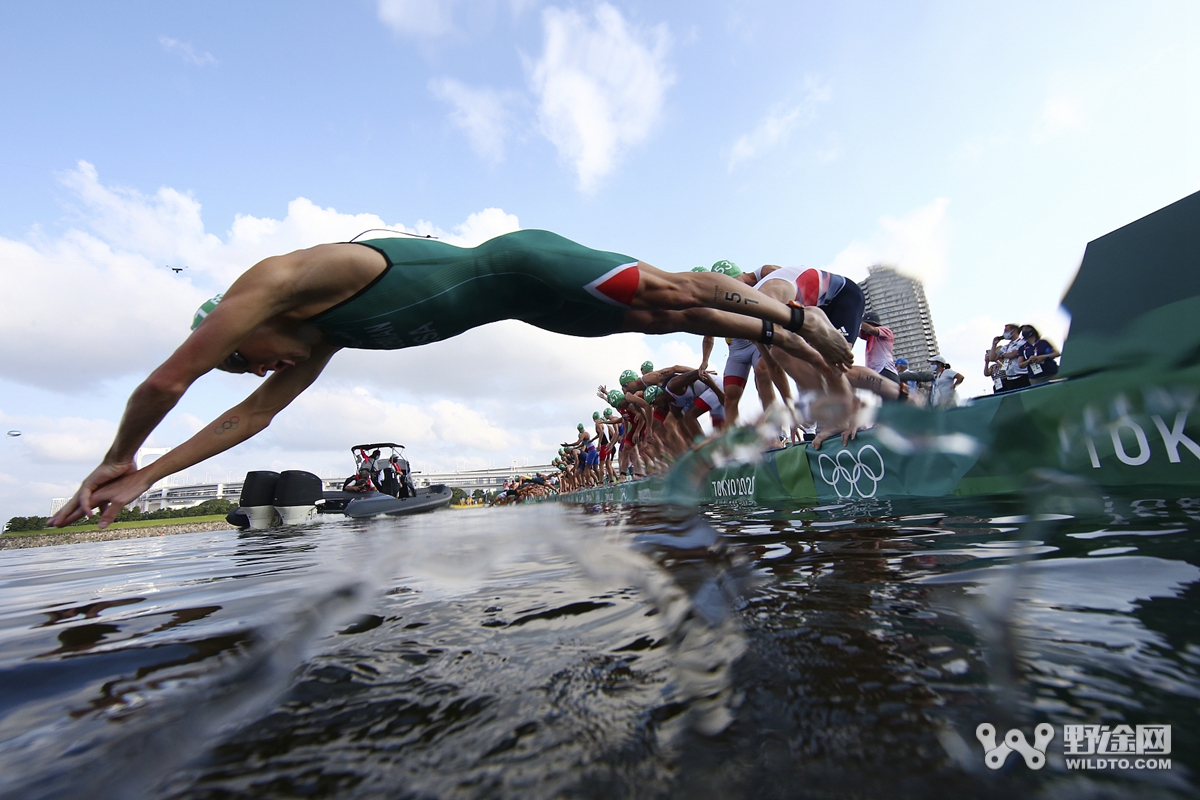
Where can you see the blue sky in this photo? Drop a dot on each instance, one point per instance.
(978, 146)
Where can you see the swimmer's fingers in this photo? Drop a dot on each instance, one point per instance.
(115, 495)
(821, 436)
(68, 513)
(82, 503)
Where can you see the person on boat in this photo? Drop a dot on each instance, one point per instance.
(288, 315)
(395, 477)
(944, 393)
(1037, 355)
(360, 481)
(881, 343)
(375, 462)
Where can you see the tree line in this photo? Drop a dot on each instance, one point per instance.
(208, 507)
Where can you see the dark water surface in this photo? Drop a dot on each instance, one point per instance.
(553, 651)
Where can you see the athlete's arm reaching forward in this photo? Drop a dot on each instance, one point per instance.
(232, 428)
(257, 327)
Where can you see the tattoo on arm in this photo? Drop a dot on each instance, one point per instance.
(734, 297)
(227, 425)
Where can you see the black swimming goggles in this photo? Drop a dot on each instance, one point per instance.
(234, 362)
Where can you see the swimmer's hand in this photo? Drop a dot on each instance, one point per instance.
(847, 435)
(115, 495)
(837, 413)
(83, 502)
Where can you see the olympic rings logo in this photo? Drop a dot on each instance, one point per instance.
(848, 473)
(227, 425)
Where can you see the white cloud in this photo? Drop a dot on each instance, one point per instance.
(332, 418)
(601, 85)
(780, 122)
(916, 244)
(55, 441)
(508, 359)
(481, 113)
(99, 302)
(185, 51)
(418, 17)
(481, 226)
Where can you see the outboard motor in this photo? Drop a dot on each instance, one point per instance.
(258, 499)
(296, 496)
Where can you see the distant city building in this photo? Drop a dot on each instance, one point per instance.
(901, 305)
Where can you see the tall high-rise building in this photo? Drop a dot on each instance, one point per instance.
(901, 305)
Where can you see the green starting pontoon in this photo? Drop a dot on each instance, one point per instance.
(1120, 415)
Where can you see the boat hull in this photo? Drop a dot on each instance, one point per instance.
(374, 504)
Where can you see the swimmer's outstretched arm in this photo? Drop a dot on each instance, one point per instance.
(233, 427)
(662, 297)
(706, 348)
(256, 296)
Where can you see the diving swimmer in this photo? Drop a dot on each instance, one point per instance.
(285, 318)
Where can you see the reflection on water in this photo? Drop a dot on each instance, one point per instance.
(605, 652)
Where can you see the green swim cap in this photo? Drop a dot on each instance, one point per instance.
(699, 269)
(726, 267)
(628, 376)
(652, 394)
(204, 310)
(595, 415)
(579, 426)
(607, 413)
(647, 366)
(615, 397)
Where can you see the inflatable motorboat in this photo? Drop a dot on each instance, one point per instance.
(381, 486)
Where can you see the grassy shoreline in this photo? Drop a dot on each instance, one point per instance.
(116, 526)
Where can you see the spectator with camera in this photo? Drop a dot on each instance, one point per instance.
(1037, 356)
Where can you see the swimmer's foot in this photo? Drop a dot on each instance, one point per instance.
(819, 332)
